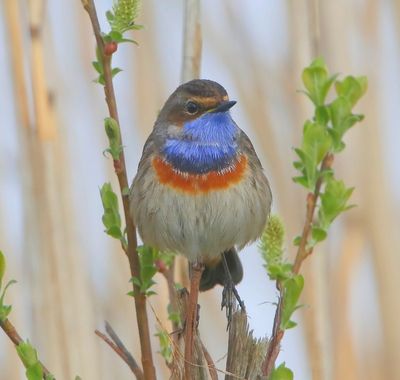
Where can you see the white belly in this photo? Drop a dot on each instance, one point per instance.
(202, 225)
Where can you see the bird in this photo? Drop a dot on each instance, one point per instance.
(200, 189)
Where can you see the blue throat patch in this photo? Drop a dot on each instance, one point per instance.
(208, 143)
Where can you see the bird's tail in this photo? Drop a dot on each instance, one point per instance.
(215, 273)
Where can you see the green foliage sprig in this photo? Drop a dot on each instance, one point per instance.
(322, 138)
(35, 370)
(166, 350)
(121, 19)
(151, 262)
(328, 197)
(291, 285)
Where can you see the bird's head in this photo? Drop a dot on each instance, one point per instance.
(193, 100)
(196, 131)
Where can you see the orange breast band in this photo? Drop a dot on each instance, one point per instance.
(199, 183)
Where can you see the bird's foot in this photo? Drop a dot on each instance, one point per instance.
(228, 295)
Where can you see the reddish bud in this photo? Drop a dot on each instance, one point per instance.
(160, 265)
(110, 48)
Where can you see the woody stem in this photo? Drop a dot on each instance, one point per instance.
(191, 317)
(120, 170)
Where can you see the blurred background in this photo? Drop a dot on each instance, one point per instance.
(72, 277)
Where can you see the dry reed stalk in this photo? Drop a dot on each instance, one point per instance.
(52, 344)
(316, 319)
(192, 41)
(148, 81)
(381, 223)
(254, 99)
(65, 342)
(345, 358)
(379, 216)
(245, 353)
(14, 22)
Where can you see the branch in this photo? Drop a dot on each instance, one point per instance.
(302, 253)
(211, 365)
(120, 170)
(12, 333)
(191, 318)
(116, 344)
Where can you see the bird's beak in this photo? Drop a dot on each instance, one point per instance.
(224, 106)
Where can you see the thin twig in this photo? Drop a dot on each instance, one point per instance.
(130, 359)
(191, 317)
(12, 333)
(302, 253)
(122, 353)
(211, 365)
(120, 170)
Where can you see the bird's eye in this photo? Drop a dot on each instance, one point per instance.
(192, 107)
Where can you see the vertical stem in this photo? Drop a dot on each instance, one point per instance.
(192, 41)
(120, 170)
(191, 318)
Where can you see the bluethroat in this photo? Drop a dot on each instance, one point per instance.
(200, 189)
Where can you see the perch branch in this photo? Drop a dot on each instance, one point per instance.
(120, 170)
(191, 317)
(302, 253)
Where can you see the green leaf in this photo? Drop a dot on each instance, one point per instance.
(279, 272)
(101, 80)
(321, 115)
(296, 241)
(352, 88)
(281, 373)
(5, 310)
(111, 217)
(114, 137)
(317, 82)
(98, 67)
(147, 258)
(115, 71)
(333, 201)
(290, 324)
(51, 377)
(110, 18)
(115, 36)
(27, 353)
(165, 345)
(2, 267)
(34, 372)
(173, 315)
(316, 143)
(292, 290)
(301, 181)
(318, 234)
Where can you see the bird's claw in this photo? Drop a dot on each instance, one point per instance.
(228, 301)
